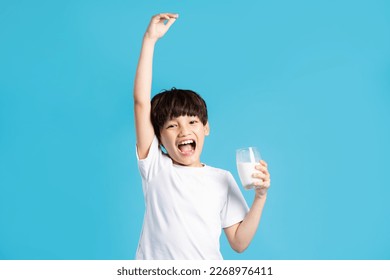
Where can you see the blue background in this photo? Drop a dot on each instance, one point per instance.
(308, 82)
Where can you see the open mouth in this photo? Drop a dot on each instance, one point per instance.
(187, 147)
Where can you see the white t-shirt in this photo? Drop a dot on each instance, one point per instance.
(185, 208)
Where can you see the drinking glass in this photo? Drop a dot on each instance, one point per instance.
(247, 159)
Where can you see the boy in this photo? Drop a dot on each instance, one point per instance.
(186, 202)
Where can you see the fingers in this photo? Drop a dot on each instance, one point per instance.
(261, 187)
(168, 17)
(263, 167)
(263, 176)
(263, 164)
(262, 183)
(260, 175)
(170, 22)
(164, 16)
(159, 25)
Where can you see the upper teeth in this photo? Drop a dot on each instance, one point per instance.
(186, 142)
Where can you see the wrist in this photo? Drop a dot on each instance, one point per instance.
(149, 39)
(261, 196)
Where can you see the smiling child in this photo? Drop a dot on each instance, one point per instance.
(187, 203)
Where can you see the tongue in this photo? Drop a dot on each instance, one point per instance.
(185, 148)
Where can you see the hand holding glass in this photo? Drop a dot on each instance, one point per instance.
(247, 159)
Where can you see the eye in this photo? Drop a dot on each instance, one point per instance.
(193, 122)
(171, 126)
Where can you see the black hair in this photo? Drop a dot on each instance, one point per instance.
(174, 103)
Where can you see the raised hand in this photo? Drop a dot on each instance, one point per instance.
(159, 25)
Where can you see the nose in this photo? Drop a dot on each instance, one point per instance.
(184, 131)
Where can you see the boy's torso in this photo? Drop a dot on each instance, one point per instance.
(185, 209)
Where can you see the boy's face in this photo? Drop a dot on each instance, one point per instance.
(183, 138)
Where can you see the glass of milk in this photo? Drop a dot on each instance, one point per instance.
(247, 159)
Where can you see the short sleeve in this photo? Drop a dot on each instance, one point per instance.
(235, 208)
(150, 165)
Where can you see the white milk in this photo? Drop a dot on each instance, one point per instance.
(245, 171)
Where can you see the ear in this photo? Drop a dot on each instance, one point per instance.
(207, 129)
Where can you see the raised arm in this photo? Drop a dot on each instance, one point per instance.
(158, 26)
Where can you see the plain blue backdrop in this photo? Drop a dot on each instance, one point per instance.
(308, 82)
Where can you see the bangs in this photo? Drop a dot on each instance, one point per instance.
(182, 107)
